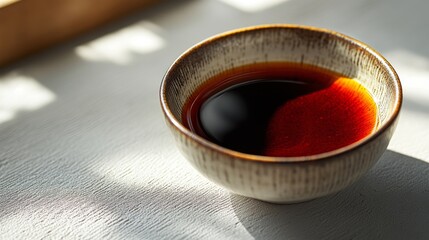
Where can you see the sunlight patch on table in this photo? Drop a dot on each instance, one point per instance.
(21, 93)
(57, 219)
(118, 47)
(253, 5)
(142, 168)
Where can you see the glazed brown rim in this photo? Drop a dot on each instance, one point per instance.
(267, 159)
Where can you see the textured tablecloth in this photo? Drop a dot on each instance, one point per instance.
(85, 154)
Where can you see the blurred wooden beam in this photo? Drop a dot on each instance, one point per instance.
(27, 26)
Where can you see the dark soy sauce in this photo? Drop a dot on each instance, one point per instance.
(281, 109)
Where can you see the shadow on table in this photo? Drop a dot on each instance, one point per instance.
(390, 202)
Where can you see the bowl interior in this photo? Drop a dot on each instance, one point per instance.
(321, 48)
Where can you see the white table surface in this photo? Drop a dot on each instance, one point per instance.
(84, 151)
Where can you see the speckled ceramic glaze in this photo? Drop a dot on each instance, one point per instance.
(277, 179)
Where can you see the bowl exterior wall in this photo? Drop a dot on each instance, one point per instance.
(285, 182)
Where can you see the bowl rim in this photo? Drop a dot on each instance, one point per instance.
(270, 159)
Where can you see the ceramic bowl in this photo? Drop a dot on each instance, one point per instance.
(282, 179)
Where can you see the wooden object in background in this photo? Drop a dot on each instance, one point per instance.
(27, 26)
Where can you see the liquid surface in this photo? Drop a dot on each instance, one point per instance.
(281, 109)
